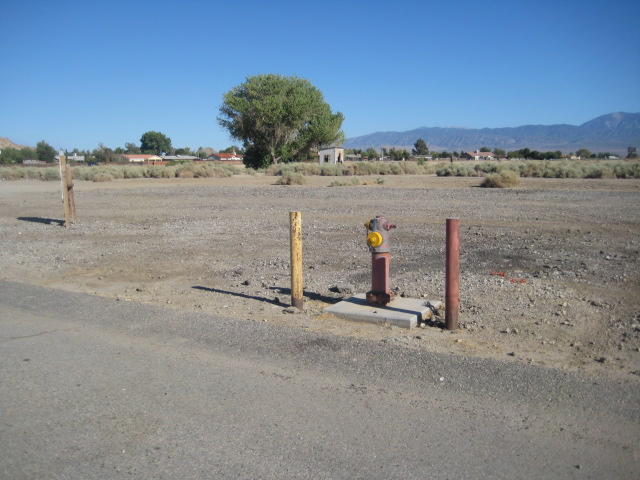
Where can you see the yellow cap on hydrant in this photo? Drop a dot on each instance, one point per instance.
(374, 239)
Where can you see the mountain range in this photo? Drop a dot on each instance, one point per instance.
(6, 143)
(613, 132)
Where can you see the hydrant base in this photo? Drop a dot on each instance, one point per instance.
(379, 298)
(401, 312)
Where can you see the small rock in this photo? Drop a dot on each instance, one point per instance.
(246, 282)
(435, 305)
(290, 310)
(578, 466)
(511, 354)
(342, 288)
(601, 359)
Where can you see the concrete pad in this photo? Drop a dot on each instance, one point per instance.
(401, 312)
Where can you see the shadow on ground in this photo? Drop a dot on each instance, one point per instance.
(307, 294)
(46, 221)
(272, 301)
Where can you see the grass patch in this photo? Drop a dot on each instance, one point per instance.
(344, 183)
(504, 179)
(545, 169)
(89, 174)
(291, 179)
(102, 177)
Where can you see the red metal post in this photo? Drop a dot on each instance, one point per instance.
(452, 280)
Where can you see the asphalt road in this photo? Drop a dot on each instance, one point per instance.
(93, 388)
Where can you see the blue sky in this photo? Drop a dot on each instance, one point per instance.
(79, 73)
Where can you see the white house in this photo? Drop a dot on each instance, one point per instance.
(478, 155)
(331, 155)
(225, 157)
(74, 157)
(142, 158)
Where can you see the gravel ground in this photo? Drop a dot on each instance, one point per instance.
(549, 269)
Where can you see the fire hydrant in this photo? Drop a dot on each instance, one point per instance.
(378, 241)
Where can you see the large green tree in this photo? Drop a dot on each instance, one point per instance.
(278, 119)
(45, 152)
(155, 142)
(583, 153)
(420, 147)
(131, 148)
(16, 155)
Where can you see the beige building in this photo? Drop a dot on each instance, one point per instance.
(331, 155)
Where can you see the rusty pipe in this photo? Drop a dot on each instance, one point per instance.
(452, 274)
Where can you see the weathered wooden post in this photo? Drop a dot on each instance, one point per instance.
(295, 238)
(68, 200)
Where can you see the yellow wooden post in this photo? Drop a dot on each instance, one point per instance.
(295, 231)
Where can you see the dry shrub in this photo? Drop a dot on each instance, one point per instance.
(49, 174)
(291, 179)
(410, 168)
(185, 173)
(504, 179)
(330, 171)
(343, 183)
(133, 172)
(309, 169)
(9, 173)
(102, 177)
(599, 171)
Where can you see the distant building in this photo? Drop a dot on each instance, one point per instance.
(225, 157)
(331, 155)
(33, 162)
(143, 158)
(180, 158)
(478, 155)
(71, 158)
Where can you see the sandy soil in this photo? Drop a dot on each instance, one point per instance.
(568, 249)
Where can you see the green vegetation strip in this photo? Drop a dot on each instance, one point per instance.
(105, 173)
(294, 173)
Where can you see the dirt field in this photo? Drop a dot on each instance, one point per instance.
(569, 251)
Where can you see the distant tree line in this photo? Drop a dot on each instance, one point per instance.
(421, 151)
(151, 142)
(159, 144)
